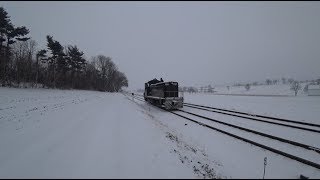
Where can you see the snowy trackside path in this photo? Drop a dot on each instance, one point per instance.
(81, 134)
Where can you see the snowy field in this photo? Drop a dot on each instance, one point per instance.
(277, 90)
(88, 134)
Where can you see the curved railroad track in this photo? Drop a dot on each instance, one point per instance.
(297, 144)
(253, 115)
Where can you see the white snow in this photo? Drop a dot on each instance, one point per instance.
(81, 134)
(87, 134)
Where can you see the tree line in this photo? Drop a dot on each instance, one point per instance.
(56, 66)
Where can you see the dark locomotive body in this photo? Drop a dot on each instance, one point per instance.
(164, 94)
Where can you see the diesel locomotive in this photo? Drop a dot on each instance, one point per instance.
(163, 94)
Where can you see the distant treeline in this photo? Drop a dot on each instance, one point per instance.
(54, 67)
(283, 80)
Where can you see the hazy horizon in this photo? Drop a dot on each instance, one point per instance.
(193, 43)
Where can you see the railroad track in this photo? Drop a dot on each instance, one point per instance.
(255, 117)
(248, 115)
(297, 144)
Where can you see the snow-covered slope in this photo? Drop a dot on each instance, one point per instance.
(80, 134)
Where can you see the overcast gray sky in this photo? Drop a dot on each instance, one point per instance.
(193, 43)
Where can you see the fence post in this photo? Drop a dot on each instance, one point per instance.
(264, 168)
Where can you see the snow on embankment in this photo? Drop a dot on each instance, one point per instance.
(80, 134)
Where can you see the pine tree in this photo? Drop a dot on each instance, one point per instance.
(10, 34)
(4, 21)
(77, 63)
(42, 56)
(57, 60)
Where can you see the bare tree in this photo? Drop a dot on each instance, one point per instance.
(247, 86)
(104, 66)
(295, 86)
(275, 81)
(119, 80)
(184, 89)
(284, 80)
(268, 81)
(22, 61)
(291, 80)
(210, 89)
(31, 44)
(305, 89)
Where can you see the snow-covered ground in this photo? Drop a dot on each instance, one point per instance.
(88, 134)
(81, 134)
